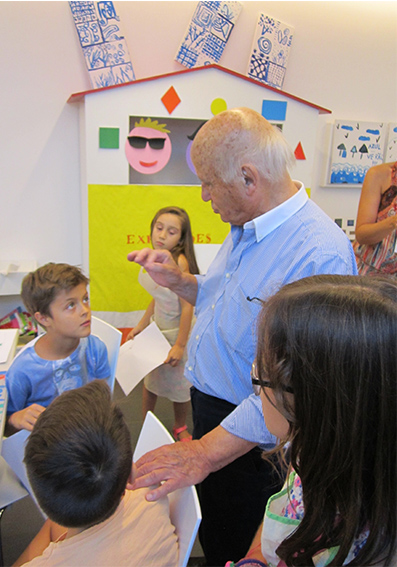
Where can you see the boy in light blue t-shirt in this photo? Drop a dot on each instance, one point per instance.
(66, 356)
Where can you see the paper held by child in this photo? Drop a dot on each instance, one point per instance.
(138, 357)
(8, 343)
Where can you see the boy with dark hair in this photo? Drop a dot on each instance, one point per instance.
(66, 356)
(78, 460)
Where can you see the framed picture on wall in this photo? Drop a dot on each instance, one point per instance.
(355, 147)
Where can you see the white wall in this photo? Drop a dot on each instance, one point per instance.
(343, 58)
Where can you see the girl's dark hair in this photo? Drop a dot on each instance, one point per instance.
(333, 340)
(185, 245)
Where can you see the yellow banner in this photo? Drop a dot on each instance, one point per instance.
(119, 219)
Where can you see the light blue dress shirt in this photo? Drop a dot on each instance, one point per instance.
(292, 241)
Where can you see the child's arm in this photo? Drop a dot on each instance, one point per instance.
(49, 532)
(25, 418)
(21, 412)
(143, 323)
(185, 323)
(255, 550)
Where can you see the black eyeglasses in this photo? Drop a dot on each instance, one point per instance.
(257, 384)
(139, 142)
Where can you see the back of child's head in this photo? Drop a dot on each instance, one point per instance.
(333, 340)
(40, 288)
(79, 457)
(185, 245)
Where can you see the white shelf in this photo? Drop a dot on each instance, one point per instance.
(12, 274)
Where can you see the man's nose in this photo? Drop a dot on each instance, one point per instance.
(205, 195)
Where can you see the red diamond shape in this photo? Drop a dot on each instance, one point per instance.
(170, 100)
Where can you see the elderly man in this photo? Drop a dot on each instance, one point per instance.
(277, 236)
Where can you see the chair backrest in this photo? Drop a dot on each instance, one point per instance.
(14, 469)
(185, 510)
(112, 339)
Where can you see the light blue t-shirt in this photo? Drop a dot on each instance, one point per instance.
(292, 241)
(33, 380)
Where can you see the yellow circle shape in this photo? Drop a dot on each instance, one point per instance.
(218, 105)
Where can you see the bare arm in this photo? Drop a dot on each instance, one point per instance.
(368, 231)
(255, 550)
(185, 323)
(165, 272)
(143, 323)
(25, 418)
(184, 464)
(176, 352)
(49, 532)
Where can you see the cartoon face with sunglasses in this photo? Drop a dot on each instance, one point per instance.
(148, 146)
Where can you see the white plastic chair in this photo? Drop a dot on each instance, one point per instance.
(112, 339)
(185, 509)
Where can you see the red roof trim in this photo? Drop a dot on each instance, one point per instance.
(79, 97)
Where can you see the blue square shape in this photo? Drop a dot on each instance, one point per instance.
(274, 109)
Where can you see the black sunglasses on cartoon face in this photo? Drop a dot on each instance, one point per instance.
(139, 142)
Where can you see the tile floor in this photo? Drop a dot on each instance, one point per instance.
(22, 520)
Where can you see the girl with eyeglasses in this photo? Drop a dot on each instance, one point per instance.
(326, 373)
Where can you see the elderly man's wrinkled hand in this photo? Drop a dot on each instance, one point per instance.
(159, 264)
(175, 466)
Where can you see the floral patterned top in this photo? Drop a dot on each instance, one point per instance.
(283, 514)
(381, 257)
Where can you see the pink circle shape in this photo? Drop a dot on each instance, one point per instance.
(147, 160)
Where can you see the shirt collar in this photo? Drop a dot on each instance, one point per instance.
(269, 221)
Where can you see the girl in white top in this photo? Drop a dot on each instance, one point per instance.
(170, 230)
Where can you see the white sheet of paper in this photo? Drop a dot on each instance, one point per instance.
(7, 343)
(138, 357)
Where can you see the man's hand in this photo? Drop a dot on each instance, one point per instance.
(26, 418)
(159, 264)
(184, 464)
(162, 268)
(176, 466)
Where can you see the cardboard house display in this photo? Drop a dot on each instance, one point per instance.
(120, 197)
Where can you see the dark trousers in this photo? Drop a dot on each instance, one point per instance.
(232, 500)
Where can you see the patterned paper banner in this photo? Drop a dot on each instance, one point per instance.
(270, 51)
(103, 44)
(208, 33)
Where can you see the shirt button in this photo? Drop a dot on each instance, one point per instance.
(228, 275)
(197, 337)
(190, 368)
(213, 306)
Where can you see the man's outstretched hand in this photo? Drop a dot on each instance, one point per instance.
(162, 268)
(159, 264)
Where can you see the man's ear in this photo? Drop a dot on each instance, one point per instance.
(250, 177)
(41, 319)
